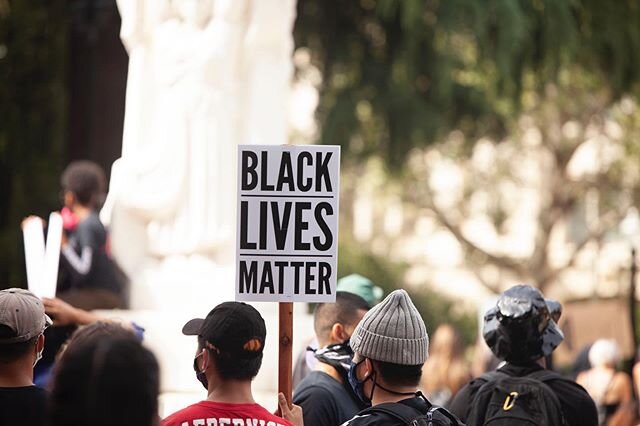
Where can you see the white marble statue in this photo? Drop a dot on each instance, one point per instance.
(204, 76)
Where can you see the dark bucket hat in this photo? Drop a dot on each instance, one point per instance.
(522, 326)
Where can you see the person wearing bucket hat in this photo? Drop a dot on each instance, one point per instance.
(521, 330)
(22, 324)
(231, 341)
(390, 346)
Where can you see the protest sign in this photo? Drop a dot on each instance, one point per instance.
(42, 260)
(287, 235)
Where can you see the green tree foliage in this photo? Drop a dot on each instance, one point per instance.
(401, 73)
(33, 51)
(434, 308)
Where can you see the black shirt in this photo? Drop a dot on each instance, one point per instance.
(23, 406)
(84, 261)
(577, 406)
(324, 400)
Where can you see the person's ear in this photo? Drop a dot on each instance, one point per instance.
(205, 360)
(338, 333)
(40, 343)
(69, 198)
(368, 367)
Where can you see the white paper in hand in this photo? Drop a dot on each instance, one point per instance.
(42, 261)
(51, 256)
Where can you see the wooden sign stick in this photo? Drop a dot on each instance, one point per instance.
(285, 350)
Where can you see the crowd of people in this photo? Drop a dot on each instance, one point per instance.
(374, 366)
(370, 362)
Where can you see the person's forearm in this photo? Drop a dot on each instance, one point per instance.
(83, 317)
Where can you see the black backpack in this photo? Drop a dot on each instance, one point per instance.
(511, 400)
(435, 416)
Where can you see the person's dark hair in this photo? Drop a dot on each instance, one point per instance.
(87, 181)
(343, 311)
(399, 375)
(231, 367)
(106, 381)
(97, 330)
(10, 352)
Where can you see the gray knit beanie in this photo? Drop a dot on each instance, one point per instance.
(392, 331)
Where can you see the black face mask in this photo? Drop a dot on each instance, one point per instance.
(202, 378)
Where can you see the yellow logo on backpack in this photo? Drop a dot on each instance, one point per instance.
(510, 401)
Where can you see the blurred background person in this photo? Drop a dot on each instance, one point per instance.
(610, 389)
(88, 276)
(445, 372)
(105, 377)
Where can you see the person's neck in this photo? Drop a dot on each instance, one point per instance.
(230, 391)
(16, 374)
(330, 370)
(381, 396)
(81, 212)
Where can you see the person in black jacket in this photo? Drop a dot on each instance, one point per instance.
(521, 331)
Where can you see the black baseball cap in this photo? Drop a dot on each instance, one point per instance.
(233, 328)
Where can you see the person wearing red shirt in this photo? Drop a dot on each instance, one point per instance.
(230, 346)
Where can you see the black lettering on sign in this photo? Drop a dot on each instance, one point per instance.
(263, 224)
(304, 185)
(280, 226)
(267, 279)
(308, 278)
(249, 174)
(248, 278)
(322, 171)
(264, 186)
(281, 266)
(296, 276)
(323, 278)
(244, 226)
(285, 175)
(300, 226)
(328, 237)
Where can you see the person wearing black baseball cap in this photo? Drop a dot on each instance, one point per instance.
(231, 341)
(521, 331)
(22, 324)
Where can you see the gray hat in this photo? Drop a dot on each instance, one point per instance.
(392, 331)
(23, 312)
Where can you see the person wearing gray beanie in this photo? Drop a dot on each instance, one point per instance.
(390, 346)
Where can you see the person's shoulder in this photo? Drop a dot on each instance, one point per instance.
(575, 400)
(318, 378)
(182, 415)
(261, 413)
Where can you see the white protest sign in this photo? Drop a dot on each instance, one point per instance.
(42, 261)
(287, 239)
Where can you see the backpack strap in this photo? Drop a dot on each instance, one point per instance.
(407, 415)
(398, 411)
(435, 409)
